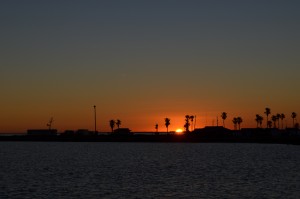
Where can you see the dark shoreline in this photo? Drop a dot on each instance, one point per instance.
(150, 138)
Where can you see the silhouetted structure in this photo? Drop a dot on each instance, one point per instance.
(95, 115)
(68, 132)
(213, 132)
(206, 134)
(84, 132)
(42, 132)
(122, 131)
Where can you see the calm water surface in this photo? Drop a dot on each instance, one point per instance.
(148, 170)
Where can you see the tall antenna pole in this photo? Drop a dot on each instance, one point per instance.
(195, 123)
(95, 119)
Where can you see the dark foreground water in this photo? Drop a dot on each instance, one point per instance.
(148, 170)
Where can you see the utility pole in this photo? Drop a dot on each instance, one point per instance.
(95, 119)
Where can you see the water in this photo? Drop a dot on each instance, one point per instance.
(148, 170)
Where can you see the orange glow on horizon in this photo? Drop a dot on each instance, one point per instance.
(179, 131)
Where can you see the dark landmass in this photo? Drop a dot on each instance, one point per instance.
(205, 135)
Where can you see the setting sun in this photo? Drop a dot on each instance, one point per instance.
(179, 131)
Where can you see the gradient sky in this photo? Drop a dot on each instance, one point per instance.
(141, 61)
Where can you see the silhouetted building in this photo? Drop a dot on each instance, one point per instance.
(213, 131)
(41, 132)
(69, 132)
(123, 131)
(295, 132)
(84, 132)
(258, 132)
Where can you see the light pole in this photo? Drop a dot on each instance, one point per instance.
(95, 119)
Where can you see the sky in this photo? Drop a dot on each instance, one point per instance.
(141, 61)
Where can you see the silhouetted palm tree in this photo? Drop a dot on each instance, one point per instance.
(192, 121)
(187, 123)
(278, 118)
(118, 123)
(274, 119)
(156, 127)
(282, 116)
(294, 115)
(112, 125)
(224, 116)
(258, 120)
(186, 127)
(269, 124)
(267, 112)
(235, 121)
(167, 123)
(239, 121)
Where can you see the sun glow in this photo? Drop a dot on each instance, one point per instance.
(179, 131)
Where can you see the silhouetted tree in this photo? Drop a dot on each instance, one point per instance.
(118, 123)
(274, 119)
(156, 127)
(267, 112)
(278, 118)
(167, 123)
(192, 122)
(282, 116)
(187, 123)
(269, 124)
(294, 115)
(258, 120)
(239, 121)
(112, 125)
(235, 121)
(224, 116)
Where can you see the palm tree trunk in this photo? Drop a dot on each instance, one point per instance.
(293, 122)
